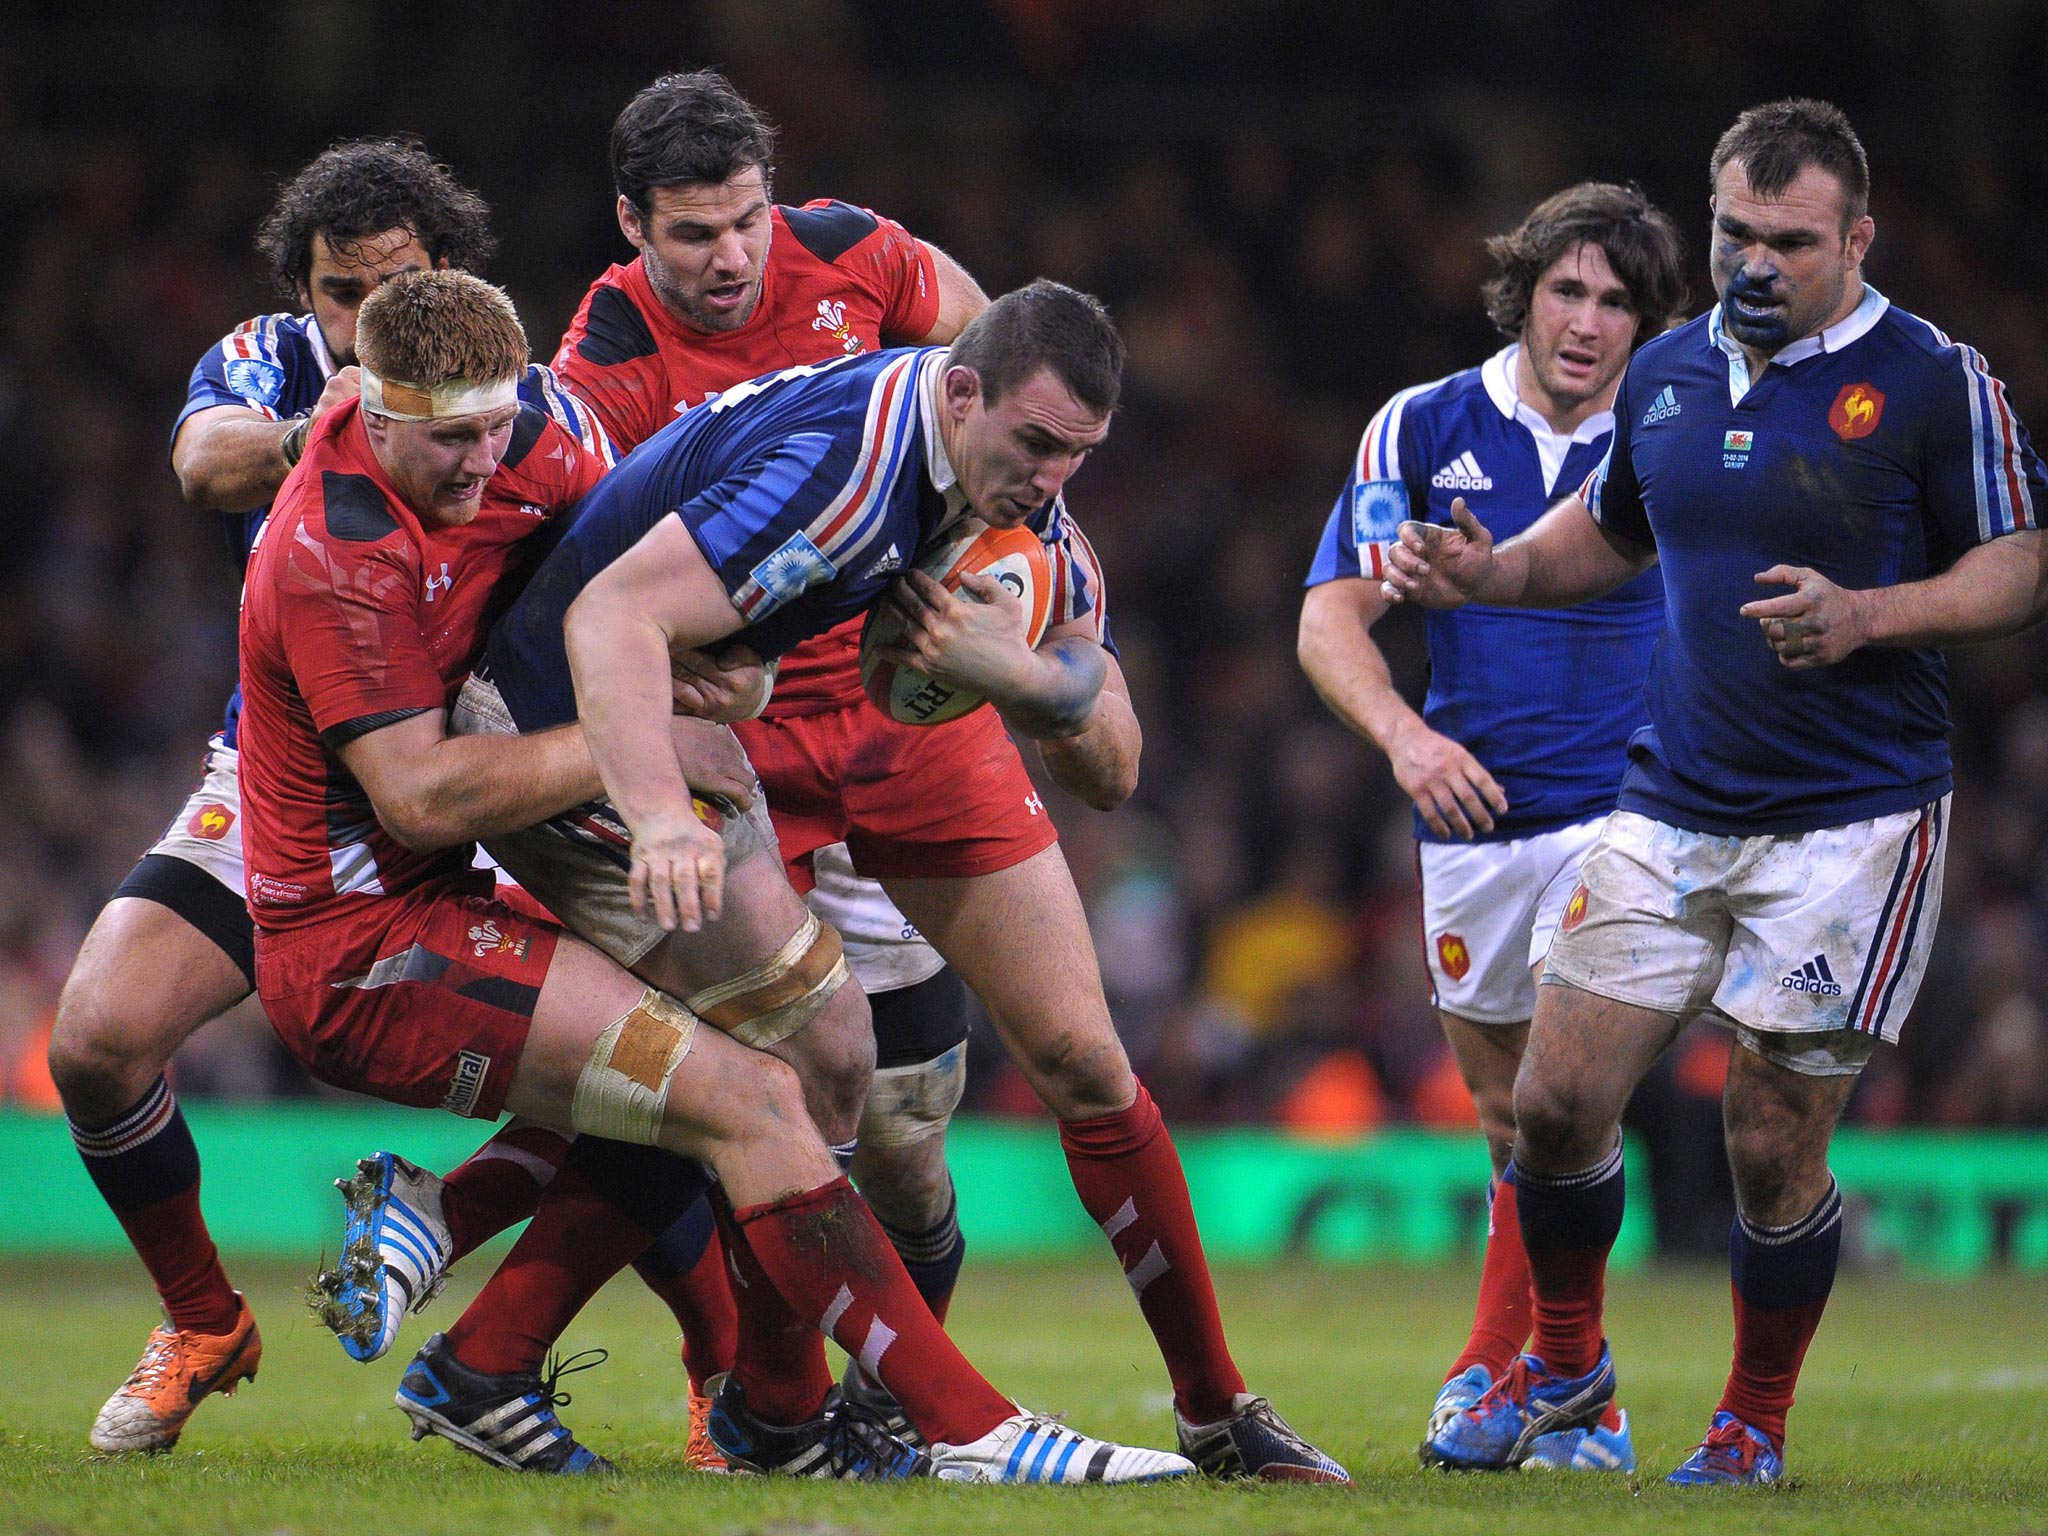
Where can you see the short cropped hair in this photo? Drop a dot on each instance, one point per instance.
(363, 187)
(684, 129)
(1778, 140)
(427, 328)
(1044, 325)
(1639, 239)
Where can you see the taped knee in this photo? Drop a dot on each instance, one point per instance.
(622, 1091)
(910, 1104)
(783, 993)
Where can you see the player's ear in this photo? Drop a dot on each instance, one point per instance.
(1861, 235)
(629, 222)
(963, 388)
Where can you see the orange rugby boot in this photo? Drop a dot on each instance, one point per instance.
(176, 1373)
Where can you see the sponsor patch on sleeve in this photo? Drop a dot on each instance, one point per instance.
(254, 379)
(793, 570)
(1378, 508)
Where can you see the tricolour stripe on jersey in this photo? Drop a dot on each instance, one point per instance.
(571, 414)
(254, 339)
(2004, 504)
(1896, 924)
(1082, 588)
(853, 516)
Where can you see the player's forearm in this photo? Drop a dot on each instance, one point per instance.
(232, 463)
(619, 661)
(470, 788)
(1346, 668)
(1098, 765)
(1563, 559)
(1994, 590)
(1056, 692)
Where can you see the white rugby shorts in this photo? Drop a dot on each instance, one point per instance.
(207, 830)
(1811, 946)
(884, 950)
(1488, 912)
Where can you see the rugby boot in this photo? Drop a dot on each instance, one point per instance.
(1596, 1448)
(842, 1441)
(700, 1454)
(1038, 1448)
(179, 1369)
(1452, 1399)
(1732, 1456)
(508, 1419)
(1255, 1442)
(395, 1253)
(858, 1387)
(1529, 1401)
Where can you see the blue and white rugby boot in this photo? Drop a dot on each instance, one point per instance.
(509, 1420)
(1733, 1455)
(1255, 1442)
(844, 1441)
(1499, 1430)
(1038, 1448)
(1595, 1448)
(1452, 1399)
(394, 1259)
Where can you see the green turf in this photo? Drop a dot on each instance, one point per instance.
(1923, 1408)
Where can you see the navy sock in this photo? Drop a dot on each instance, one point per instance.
(934, 1256)
(1781, 1277)
(681, 1244)
(1569, 1223)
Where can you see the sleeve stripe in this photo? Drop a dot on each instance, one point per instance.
(2004, 503)
(1084, 576)
(573, 416)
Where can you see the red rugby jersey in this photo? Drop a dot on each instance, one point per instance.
(356, 614)
(839, 280)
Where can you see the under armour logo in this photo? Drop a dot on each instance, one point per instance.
(1033, 804)
(440, 583)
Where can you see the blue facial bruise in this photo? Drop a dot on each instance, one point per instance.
(1761, 331)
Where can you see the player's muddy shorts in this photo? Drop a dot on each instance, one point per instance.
(1489, 911)
(1810, 945)
(423, 998)
(195, 868)
(576, 864)
(909, 801)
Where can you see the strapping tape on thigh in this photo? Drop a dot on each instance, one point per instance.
(910, 1104)
(622, 1091)
(783, 993)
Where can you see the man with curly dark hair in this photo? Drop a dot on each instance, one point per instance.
(173, 948)
(1514, 760)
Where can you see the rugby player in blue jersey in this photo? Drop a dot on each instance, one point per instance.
(1834, 489)
(1514, 760)
(173, 948)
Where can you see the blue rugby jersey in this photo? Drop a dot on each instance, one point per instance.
(1545, 699)
(1876, 453)
(808, 492)
(277, 365)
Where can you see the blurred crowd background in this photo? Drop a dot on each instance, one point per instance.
(1284, 206)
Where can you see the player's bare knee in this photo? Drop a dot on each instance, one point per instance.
(1556, 1124)
(1079, 1074)
(100, 1058)
(908, 1187)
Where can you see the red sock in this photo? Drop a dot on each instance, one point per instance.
(501, 1184)
(1129, 1178)
(178, 1252)
(1770, 1346)
(831, 1262)
(701, 1299)
(778, 1356)
(1500, 1323)
(574, 1244)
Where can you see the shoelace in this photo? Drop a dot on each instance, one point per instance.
(1729, 1448)
(859, 1436)
(584, 1360)
(155, 1364)
(1512, 1388)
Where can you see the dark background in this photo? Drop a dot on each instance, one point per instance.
(1283, 204)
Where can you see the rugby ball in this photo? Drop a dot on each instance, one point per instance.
(1014, 557)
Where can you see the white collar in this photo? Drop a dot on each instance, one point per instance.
(323, 359)
(945, 480)
(1852, 327)
(1497, 373)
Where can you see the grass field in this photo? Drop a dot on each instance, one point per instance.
(1923, 1408)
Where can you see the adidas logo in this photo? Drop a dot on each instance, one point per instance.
(1663, 408)
(892, 561)
(1814, 977)
(1462, 474)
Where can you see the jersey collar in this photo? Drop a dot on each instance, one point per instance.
(945, 480)
(1852, 327)
(1497, 373)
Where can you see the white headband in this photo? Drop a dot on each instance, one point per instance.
(455, 397)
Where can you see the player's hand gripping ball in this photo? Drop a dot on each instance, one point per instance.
(1013, 556)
